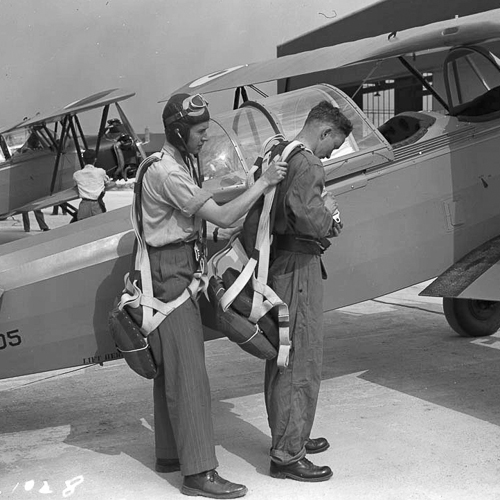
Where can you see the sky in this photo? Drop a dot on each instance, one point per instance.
(57, 51)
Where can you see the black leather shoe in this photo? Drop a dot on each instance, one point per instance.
(167, 465)
(317, 445)
(303, 470)
(210, 484)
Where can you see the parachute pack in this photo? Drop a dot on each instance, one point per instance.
(138, 312)
(248, 311)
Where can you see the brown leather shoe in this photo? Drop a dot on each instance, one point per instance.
(167, 465)
(303, 470)
(317, 445)
(210, 484)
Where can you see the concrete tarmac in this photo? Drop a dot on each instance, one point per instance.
(412, 412)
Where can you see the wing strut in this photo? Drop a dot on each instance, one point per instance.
(244, 96)
(424, 82)
(256, 89)
(75, 139)
(102, 128)
(125, 120)
(62, 139)
(236, 101)
(80, 130)
(68, 124)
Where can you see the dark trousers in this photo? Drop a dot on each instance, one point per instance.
(181, 392)
(39, 218)
(291, 397)
(89, 208)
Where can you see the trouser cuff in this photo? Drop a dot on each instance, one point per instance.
(282, 457)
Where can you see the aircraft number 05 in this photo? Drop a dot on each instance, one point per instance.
(10, 338)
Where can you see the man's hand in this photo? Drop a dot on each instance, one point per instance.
(275, 173)
(332, 206)
(330, 202)
(335, 229)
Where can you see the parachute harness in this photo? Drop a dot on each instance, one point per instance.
(256, 267)
(154, 310)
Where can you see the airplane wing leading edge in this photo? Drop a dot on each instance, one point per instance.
(97, 100)
(475, 29)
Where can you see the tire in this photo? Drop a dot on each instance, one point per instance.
(471, 317)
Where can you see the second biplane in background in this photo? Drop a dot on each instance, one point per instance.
(39, 155)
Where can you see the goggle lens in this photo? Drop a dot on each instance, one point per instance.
(194, 105)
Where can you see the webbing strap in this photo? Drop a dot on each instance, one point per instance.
(154, 311)
(263, 243)
(249, 266)
(264, 297)
(135, 297)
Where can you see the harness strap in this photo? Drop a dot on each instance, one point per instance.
(263, 244)
(257, 266)
(154, 311)
(134, 297)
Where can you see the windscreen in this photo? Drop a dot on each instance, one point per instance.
(291, 110)
(470, 74)
(13, 142)
(236, 137)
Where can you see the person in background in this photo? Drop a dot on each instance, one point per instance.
(39, 218)
(126, 157)
(91, 183)
(55, 209)
(174, 204)
(304, 220)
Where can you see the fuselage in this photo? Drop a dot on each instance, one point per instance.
(410, 209)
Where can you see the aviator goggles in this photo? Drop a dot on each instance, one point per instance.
(194, 105)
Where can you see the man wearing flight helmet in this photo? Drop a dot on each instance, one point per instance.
(174, 204)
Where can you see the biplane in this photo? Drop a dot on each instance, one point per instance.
(38, 156)
(418, 197)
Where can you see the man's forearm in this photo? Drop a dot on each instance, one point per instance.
(226, 215)
(237, 208)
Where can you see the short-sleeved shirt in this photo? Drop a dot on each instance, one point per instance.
(90, 181)
(170, 199)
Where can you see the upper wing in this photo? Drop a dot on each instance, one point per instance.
(93, 101)
(475, 29)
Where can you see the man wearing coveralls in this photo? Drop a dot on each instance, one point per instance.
(303, 221)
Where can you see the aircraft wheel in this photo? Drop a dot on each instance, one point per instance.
(472, 318)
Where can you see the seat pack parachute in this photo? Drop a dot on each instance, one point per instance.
(248, 311)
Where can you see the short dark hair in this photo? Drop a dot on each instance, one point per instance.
(326, 112)
(89, 156)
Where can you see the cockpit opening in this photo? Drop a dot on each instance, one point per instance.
(472, 80)
(406, 128)
(482, 106)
